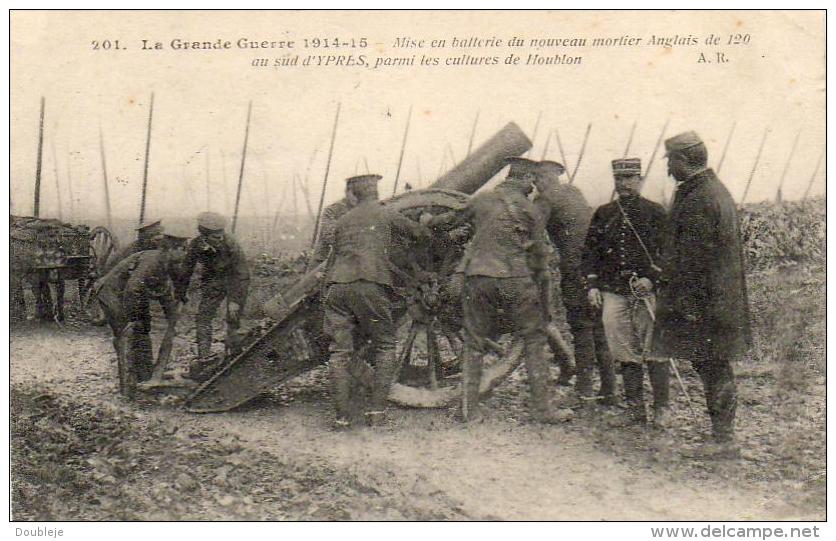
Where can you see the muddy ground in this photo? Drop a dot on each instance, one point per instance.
(80, 452)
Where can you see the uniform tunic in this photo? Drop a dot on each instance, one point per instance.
(224, 274)
(360, 298)
(614, 255)
(327, 230)
(125, 295)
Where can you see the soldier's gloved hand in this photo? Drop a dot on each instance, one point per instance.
(643, 286)
(595, 298)
(234, 309)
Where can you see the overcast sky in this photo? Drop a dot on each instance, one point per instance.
(201, 99)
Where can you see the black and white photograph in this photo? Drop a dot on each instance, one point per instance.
(418, 265)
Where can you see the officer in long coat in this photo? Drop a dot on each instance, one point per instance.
(360, 297)
(567, 216)
(622, 258)
(703, 311)
(224, 275)
(504, 266)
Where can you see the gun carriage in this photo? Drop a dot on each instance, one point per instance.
(429, 284)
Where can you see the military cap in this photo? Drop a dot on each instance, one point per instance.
(555, 168)
(682, 141)
(150, 226)
(211, 221)
(360, 180)
(521, 166)
(627, 166)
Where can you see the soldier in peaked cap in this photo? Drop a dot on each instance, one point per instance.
(504, 265)
(148, 236)
(621, 260)
(225, 275)
(360, 297)
(703, 312)
(567, 215)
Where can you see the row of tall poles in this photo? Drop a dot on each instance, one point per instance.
(298, 183)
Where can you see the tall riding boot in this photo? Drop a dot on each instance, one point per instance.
(633, 374)
(338, 373)
(471, 379)
(659, 373)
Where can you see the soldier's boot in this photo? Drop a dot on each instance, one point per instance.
(723, 412)
(203, 332)
(340, 379)
(139, 349)
(471, 380)
(633, 374)
(567, 370)
(386, 370)
(659, 373)
(567, 367)
(606, 371)
(583, 379)
(536, 366)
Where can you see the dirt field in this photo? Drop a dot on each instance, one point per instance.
(81, 452)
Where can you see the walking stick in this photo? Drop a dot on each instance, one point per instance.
(647, 343)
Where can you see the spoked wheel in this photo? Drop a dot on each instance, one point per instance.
(103, 246)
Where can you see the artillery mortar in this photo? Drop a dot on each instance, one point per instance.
(296, 342)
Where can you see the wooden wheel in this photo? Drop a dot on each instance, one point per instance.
(104, 246)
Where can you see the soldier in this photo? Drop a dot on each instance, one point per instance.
(125, 297)
(224, 274)
(703, 312)
(148, 236)
(325, 240)
(504, 267)
(360, 297)
(567, 217)
(621, 259)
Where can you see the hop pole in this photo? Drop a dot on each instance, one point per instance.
(325, 180)
(755, 166)
(37, 208)
(145, 168)
(243, 163)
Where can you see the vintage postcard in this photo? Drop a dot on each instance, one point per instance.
(417, 265)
